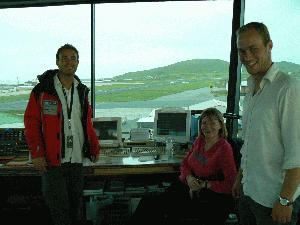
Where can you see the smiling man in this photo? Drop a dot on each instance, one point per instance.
(59, 133)
(269, 177)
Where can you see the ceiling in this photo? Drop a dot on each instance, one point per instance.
(34, 3)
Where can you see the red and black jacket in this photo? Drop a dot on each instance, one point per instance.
(45, 132)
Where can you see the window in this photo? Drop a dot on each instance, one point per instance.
(149, 55)
(284, 34)
(161, 54)
(30, 38)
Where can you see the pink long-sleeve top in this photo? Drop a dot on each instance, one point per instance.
(218, 159)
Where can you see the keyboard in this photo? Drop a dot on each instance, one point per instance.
(7, 149)
(12, 142)
(133, 151)
(146, 151)
(115, 152)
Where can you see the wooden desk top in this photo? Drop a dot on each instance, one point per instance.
(105, 166)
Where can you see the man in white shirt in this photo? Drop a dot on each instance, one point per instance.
(268, 181)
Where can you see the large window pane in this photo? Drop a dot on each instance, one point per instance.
(30, 38)
(161, 54)
(281, 17)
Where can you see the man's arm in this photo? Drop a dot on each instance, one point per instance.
(280, 213)
(94, 142)
(236, 189)
(290, 184)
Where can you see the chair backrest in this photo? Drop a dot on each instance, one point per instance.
(236, 144)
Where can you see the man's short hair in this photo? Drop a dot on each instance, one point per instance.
(259, 27)
(66, 46)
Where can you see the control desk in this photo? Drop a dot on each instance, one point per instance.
(13, 144)
(132, 158)
(127, 172)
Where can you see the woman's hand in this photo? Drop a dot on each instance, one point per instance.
(194, 183)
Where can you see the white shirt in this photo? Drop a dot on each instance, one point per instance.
(73, 155)
(271, 132)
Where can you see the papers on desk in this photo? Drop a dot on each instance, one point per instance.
(124, 161)
(17, 161)
(129, 160)
(146, 158)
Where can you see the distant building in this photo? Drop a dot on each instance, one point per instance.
(243, 88)
(146, 122)
(220, 105)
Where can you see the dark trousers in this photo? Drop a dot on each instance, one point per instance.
(252, 213)
(62, 189)
(175, 205)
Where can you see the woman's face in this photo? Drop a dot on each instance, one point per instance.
(210, 127)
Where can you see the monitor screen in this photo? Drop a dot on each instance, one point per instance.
(108, 130)
(194, 127)
(174, 123)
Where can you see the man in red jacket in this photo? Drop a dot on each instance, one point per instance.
(59, 133)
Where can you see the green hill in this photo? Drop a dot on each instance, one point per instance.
(196, 69)
(185, 70)
(292, 69)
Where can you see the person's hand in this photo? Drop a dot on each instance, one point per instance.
(194, 184)
(94, 158)
(236, 188)
(40, 164)
(281, 214)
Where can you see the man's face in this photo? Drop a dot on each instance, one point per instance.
(67, 62)
(253, 53)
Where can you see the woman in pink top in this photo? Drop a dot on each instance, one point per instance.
(207, 174)
(210, 161)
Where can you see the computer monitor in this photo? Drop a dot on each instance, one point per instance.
(174, 123)
(108, 130)
(194, 127)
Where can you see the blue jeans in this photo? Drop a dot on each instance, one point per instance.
(251, 213)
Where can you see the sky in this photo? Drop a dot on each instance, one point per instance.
(135, 36)
(282, 19)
